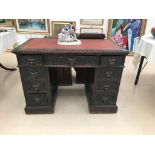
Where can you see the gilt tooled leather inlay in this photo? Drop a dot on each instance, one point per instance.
(42, 43)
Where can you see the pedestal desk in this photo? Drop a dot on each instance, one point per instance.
(38, 60)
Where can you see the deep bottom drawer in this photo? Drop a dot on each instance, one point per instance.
(37, 99)
(104, 99)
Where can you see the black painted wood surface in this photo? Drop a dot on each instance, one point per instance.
(38, 71)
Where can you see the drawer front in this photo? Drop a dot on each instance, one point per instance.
(112, 60)
(86, 60)
(35, 86)
(109, 74)
(106, 87)
(104, 99)
(37, 99)
(32, 73)
(30, 60)
(71, 60)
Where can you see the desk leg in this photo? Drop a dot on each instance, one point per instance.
(10, 69)
(139, 70)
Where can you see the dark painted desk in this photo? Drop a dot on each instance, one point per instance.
(38, 60)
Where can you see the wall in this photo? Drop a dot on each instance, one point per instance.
(23, 37)
(150, 24)
(105, 25)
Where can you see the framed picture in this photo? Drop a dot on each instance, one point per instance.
(58, 25)
(91, 30)
(6, 22)
(126, 32)
(92, 22)
(40, 26)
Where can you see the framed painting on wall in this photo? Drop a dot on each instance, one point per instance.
(40, 26)
(96, 22)
(126, 32)
(58, 25)
(6, 22)
(91, 30)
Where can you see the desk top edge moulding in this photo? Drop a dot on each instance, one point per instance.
(101, 61)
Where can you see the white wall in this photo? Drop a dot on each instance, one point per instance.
(150, 24)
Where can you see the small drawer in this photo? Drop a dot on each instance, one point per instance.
(108, 74)
(71, 60)
(35, 86)
(112, 60)
(32, 73)
(105, 86)
(37, 99)
(30, 60)
(104, 99)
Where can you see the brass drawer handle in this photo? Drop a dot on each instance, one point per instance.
(37, 100)
(34, 74)
(112, 59)
(108, 74)
(36, 86)
(106, 87)
(71, 60)
(31, 60)
(111, 62)
(105, 99)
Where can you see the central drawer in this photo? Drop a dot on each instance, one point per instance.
(71, 60)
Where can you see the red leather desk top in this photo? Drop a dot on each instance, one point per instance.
(87, 46)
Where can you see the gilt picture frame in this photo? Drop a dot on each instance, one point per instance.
(95, 22)
(58, 25)
(126, 32)
(37, 26)
(6, 22)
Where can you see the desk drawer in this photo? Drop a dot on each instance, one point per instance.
(71, 60)
(36, 86)
(30, 60)
(37, 99)
(106, 86)
(104, 99)
(112, 60)
(31, 73)
(108, 73)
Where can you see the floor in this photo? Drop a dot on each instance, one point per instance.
(136, 106)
